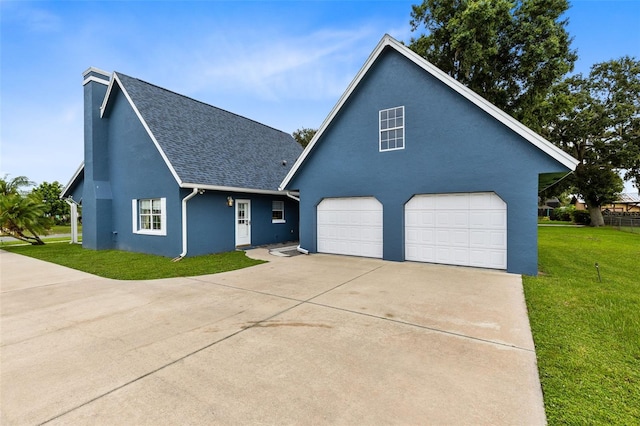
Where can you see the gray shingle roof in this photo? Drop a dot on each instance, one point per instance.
(210, 146)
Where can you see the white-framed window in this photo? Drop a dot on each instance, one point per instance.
(277, 212)
(149, 216)
(392, 129)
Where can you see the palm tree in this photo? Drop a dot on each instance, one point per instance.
(13, 186)
(20, 214)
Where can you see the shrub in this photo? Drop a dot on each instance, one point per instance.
(562, 213)
(581, 217)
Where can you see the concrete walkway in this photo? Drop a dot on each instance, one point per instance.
(314, 339)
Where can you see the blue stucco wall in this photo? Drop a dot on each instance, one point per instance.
(124, 164)
(451, 146)
(138, 171)
(211, 224)
(96, 188)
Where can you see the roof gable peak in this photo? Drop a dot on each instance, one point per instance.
(389, 42)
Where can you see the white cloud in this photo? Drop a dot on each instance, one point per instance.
(314, 66)
(37, 20)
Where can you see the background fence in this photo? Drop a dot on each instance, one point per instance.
(628, 223)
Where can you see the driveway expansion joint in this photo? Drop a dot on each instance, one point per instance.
(497, 380)
(169, 364)
(310, 301)
(248, 327)
(425, 327)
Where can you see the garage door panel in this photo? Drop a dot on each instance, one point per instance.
(420, 252)
(422, 204)
(451, 201)
(411, 218)
(498, 240)
(460, 238)
(449, 237)
(485, 201)
(488, 258)
(426, 218)
(451, 219)
(411, 237)
(452, 255)
(469, 229)
(351, 226)
(373, 218)
(488, 219)
(487, 238)
(420, 236)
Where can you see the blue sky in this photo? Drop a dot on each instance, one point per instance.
(282, 63)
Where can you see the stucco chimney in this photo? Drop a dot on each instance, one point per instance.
(96, 197)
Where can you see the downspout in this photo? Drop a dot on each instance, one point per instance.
(184, 223)
(293, 197)
(74, 219)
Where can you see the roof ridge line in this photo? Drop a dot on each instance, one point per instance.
(203, 103)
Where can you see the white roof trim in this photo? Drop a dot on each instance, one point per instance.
(144, 123)
(89, 70)
(95, 80)
(231, 189)
(513, 124)
(73, 178)
(96, 70)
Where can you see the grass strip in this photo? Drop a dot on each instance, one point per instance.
(587, 331)
(122, 265)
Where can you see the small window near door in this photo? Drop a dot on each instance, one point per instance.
(277, 212)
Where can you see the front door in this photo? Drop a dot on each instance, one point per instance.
(243, 222)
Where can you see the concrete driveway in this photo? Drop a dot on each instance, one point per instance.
(301, 340)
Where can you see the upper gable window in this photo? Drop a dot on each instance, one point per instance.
(392, 129)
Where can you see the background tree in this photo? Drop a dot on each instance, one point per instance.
(597, 120)
(22, 214)
(304, 135)
(49, 194)
(509, 52)
(16, 185)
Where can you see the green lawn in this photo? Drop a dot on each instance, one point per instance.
(587, 333)
(547, 221)
(133, 266)
(63, 229)
(55, 230)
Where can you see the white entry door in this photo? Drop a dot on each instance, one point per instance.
(243, 222)
(351, 226)
(457, 229)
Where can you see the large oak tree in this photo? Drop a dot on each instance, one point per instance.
(304, 135)
(510, 52)
(596, 118)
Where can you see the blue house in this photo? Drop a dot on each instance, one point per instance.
(411, 165)
(168, 175)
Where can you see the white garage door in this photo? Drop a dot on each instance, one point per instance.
(457, 229)
(350, 226)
